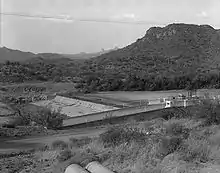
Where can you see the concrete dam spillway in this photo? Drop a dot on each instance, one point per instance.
(74, 107)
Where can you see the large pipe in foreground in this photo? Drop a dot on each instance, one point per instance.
(74, 168)
(96, 167)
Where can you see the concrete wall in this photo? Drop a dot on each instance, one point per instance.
(111, 114)
(118, 113)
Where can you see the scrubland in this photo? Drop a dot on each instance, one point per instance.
(184, 140)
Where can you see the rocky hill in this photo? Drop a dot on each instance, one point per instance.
(176, 51)
(173, 49)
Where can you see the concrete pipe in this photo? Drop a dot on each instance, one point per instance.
(74, 168)
(96, 167)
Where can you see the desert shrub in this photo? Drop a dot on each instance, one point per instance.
(41, 116)
(167, 114)
(169, 145)
(79, 142)
(59, 144)
(48, 118)
(210, 110)
(177, 129)
(133, 156)
(176, 113)
(97, 150)
(23, 116)
(64, 155)
(117, 135)
(195, 150)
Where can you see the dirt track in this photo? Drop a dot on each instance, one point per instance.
(32, 142)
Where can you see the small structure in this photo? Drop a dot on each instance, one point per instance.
(192, 93)
(184, 102)
(168, 103)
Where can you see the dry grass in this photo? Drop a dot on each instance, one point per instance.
(181, 148)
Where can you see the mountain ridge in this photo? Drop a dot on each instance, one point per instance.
(7, 54)
(176, 56)
(168, 43)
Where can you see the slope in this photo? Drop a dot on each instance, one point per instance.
(172, 57)
(7, 54)
(218, 31)
(173, 49)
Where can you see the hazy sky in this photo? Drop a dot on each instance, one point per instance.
(65, 36)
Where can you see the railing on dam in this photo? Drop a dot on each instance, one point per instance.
(118, 113)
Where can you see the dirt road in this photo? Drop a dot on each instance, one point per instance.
(34, 142)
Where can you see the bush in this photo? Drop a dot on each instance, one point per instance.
(194, 149)
(41, 116)
(169, 145)
(117, 135)
(176, 113)
(59, 144)
(80, 142)
(23, 116)
(167, 114)
(176, 129)
(64, 155)
(48, 118)
(210, 111)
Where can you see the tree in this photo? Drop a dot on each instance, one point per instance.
(48, 118)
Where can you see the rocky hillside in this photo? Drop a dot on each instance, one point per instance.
(173, 49)
(171, 57)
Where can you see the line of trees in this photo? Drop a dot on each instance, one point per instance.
(93, 77)
(150, 83)
(15, 72)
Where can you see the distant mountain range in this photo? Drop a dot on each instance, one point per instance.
(7, 54)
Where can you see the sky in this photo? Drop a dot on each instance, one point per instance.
(74, 36)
